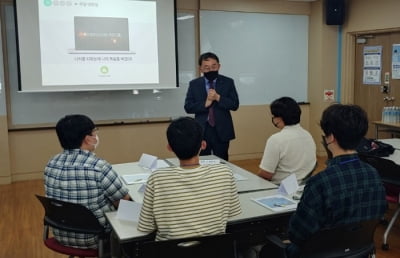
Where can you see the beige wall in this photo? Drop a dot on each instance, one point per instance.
(371, 15)
(257, 6)
(30, 150)
(322, 67)
(5, 171)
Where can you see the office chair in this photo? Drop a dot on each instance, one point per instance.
(390, 174)
(74, 218)
(215, 246)
(354, 240)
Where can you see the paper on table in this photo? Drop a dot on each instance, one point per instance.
(276, 202)
(152, 162)
(288, 185)
(147, 161)
(209, 161)
(142, 188)
(128, 210)
(135, 178)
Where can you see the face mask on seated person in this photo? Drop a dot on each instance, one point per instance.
(97, 142)
(211, 75)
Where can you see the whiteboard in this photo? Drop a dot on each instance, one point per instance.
(266, 54)
(40, 108)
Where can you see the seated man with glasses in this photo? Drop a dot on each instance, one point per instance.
(292, 150)
(77, 175)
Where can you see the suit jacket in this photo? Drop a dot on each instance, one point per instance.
(196, 97)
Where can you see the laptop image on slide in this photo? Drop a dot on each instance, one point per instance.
(101, 35)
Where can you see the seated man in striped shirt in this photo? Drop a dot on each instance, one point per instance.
(192, 199)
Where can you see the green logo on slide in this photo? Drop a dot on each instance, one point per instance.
(47, 2)
(104, 69)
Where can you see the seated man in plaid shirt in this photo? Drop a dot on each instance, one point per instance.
(348, 190)
(77, 175)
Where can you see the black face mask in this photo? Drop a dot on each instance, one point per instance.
(211, 75)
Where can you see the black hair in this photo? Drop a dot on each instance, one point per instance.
(347, 123)
(185, 136)
(72, 129)
(206, 56)
(287, 109)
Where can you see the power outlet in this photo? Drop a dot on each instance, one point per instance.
(385, 89)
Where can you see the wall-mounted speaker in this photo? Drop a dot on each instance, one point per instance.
(334, 12)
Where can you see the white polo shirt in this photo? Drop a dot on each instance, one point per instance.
(292, 150)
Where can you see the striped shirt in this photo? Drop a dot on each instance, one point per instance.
(78, 176)
(181, 203)
(347, 191)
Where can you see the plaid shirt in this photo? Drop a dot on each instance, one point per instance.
(347, 191)
(78, 176)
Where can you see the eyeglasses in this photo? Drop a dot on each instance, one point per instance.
(207, 68)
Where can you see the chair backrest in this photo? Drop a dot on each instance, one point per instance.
(387, 169)
(352, 240)
(215, 246)
(70, 216)
(390, 174)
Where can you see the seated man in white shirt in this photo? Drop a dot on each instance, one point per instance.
(292, 150)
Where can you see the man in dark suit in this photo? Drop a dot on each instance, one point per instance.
(211, 98)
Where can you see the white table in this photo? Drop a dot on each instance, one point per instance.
(251, 184)
(251, 213)
(395, 142)
(128, 169)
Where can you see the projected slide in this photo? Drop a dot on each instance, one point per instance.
(106, 34)
(98, 42)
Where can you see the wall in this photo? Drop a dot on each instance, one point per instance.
(257, 6)
(5, 171)
(29, 150)
(322, 67)
(365, 16)
(362, 16)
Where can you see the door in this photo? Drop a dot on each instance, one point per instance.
(368, 96)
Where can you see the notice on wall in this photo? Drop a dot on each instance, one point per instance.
(396, 61)
(372, 65)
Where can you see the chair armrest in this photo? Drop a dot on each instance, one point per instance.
(276, 240)
(45, 232)
(273, 248)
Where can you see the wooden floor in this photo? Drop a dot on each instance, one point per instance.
(21, 222)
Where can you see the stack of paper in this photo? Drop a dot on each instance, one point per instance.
(129, 211)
